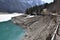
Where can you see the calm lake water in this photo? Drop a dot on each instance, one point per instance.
(10, 31)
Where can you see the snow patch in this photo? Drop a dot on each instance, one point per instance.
(7, 17)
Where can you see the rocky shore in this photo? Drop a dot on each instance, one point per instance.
(37, 27)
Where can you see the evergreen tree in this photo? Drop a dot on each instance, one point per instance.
(36, 9)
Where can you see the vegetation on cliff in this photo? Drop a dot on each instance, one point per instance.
(36, 10)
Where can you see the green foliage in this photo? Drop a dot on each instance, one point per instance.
(36, 9)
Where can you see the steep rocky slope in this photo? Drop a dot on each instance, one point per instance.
(38, 27)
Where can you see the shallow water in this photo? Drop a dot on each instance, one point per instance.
(10, 31)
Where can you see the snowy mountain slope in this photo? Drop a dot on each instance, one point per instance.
(17, 5)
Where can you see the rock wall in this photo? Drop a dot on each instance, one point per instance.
(55, 6)
(38, 27)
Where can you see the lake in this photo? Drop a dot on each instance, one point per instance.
(10, 31)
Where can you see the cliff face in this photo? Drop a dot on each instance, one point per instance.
(37, 27)
(55, 6)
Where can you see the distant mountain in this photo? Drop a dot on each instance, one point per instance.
(17, 5)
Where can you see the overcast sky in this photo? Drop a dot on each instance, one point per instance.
(48, 1)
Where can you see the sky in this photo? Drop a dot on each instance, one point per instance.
(47, 1)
